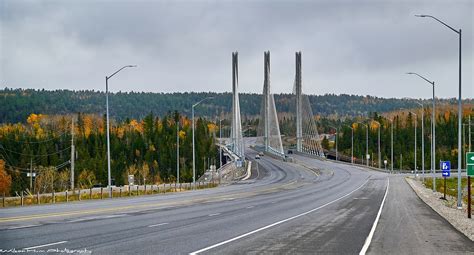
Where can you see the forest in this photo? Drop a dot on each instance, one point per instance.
(144, 148)
(36, 133)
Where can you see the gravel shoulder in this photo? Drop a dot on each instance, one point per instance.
(446, 209)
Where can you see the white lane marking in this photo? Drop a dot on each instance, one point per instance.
(159, 224)
(374, 226)
(43, 245)
(26, 226)
(97, 218)
(214, 214)
(276, 223)
(248, 207)
(274, 202)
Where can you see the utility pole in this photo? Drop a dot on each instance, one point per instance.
(31, 175)
(73, 154)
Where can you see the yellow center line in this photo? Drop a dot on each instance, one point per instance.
(155, 204)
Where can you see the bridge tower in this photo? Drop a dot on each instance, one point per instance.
(307, 136)
(236, 130)
(269, 127)
(299, 120)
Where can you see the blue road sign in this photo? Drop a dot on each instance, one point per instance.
(446, 168)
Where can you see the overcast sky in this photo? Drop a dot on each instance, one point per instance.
(351, 47)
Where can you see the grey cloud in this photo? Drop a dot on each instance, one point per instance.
(348, 46)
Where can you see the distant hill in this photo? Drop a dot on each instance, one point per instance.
(17, 104)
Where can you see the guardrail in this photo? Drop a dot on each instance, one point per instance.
(100, 193)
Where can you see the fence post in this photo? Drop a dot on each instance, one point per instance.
(138, 190)
(120, 192)
(111, 193)
(101, 192)
(54, 198)
(22, 198)
(67, 198)
(145, 189)
(3, 199)
(79, 195)
(129, 193)
(90, 193)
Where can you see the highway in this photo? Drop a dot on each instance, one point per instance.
(309, 206)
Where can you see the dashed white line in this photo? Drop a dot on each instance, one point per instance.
(374, 226)
(43, 245)
(248, 207)
(26, 226)
(213, 214)
(276, 223)
(159, 224)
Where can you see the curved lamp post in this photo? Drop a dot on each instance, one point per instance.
(109, 182)
(433, 131)
(459, 32)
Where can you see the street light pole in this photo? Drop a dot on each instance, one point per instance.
(194, 151)
(336, 140)
(108, 126)
(391, 142)
(177, 152)
(220, 140)
(352, 144)
(416, 120)
(459, 32)
(433, 132)
(378, 144)
(366, 142)
(422, 142)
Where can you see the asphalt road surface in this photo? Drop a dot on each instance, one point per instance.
(309, 206)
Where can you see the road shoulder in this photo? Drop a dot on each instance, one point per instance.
(457, 218)
(409, 226)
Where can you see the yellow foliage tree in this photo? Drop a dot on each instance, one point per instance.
(5, 179)
(86, 179)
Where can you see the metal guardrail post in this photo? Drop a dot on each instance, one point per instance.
(90, 193)
(53, 198)
(120, 192)
(101, 193)
(21, 198)
(67, 197)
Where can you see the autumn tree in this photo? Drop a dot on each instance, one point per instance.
(86, 179)
(5, 179)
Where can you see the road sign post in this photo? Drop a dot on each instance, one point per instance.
(446, 168)
(470, 172)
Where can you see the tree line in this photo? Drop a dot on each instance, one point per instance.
(17, 104)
